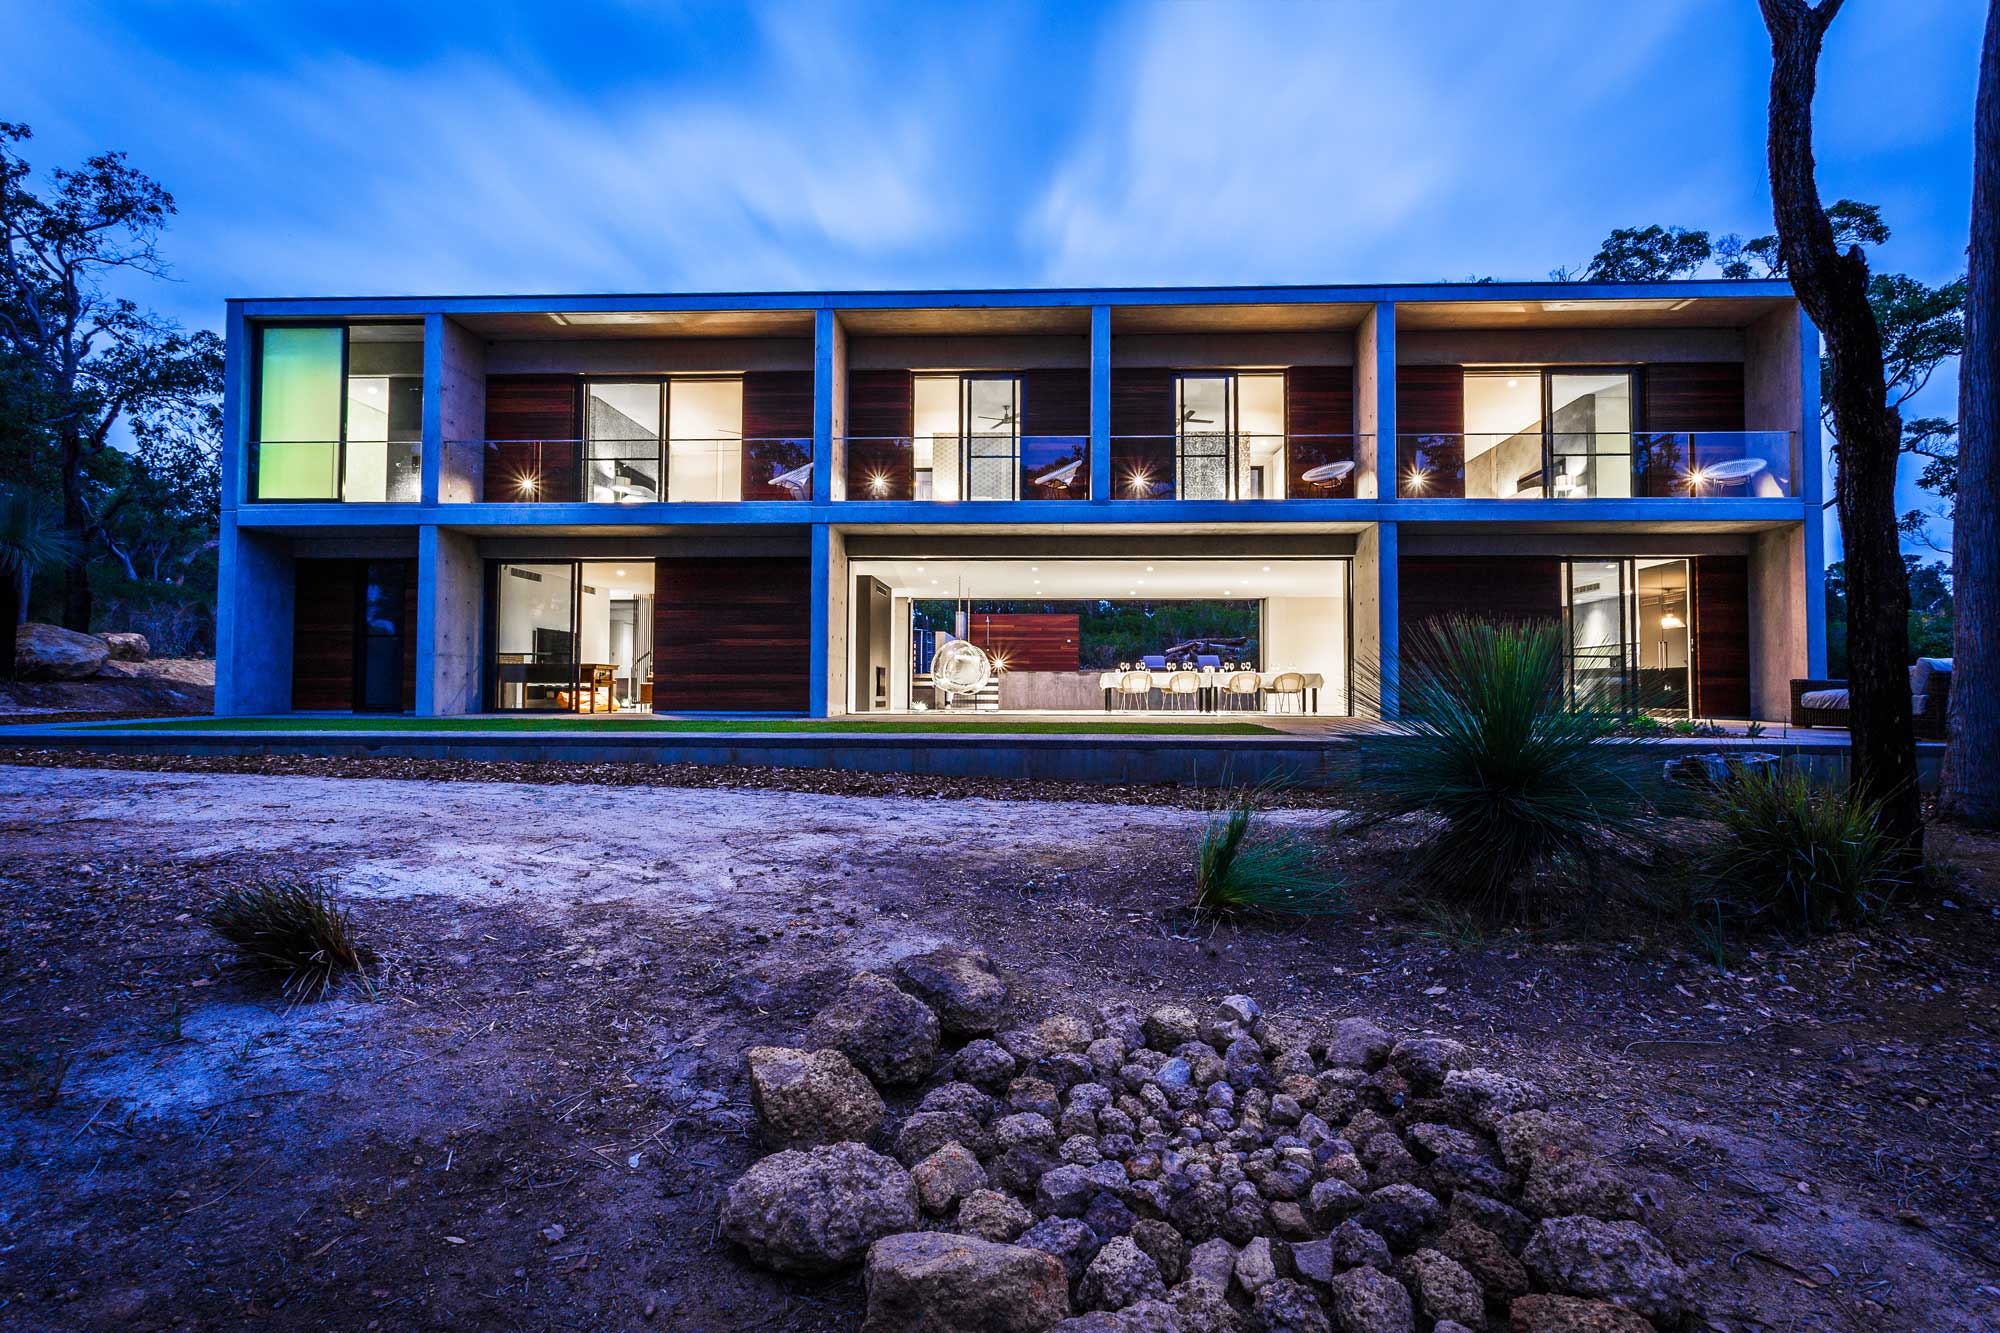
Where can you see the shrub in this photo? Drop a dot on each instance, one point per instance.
(1273, 874)
(293, 929)
(1799, 854)
(1515, 776)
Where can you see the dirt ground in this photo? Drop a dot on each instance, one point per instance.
(571, 972)
(158, 687)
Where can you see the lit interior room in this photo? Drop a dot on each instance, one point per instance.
(573, 636)
(1222, 637)
(1628, 631)
(1589, 440)
(701, 421)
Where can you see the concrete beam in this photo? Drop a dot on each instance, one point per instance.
(1375, 404)
(451, 586)
(1100, 402)
(829, 407)
(253, 627)
(460, 393)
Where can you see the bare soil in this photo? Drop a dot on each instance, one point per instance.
(571, 971)
(159, 687)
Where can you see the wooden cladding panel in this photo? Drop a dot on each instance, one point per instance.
(323, 616)
(1028, 641)
(1693, 395)
(1055, 402)
(1722, 636)
(409, 636)
(1319, 403)
(880, 413)
(522, 411)
(1521, 588)
(1142, 428)
(777, 404)
(732, 635)
(1430, 400)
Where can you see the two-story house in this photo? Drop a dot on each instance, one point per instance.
(758, 503)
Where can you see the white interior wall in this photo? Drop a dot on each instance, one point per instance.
(1310, 634)
(705, 440)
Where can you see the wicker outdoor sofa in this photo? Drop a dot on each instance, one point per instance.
(1823, 703)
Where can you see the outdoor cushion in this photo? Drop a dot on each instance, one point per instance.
(1922, 671)
(1156, 661)
(1836, 699)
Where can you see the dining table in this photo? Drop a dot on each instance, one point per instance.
(1209, 696)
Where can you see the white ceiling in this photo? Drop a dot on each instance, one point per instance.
(1084, 580)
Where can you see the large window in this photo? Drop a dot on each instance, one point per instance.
(1628, 633)
(1534, 433)
(339, 413)
(1229, 436)
(692, 429)
(966, 437)
(573, 636)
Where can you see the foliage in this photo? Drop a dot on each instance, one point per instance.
(81, 367)
(1658, 254)
(1272, 874)
(1799, 854)
(29, 538)
(291, 928)
(1930, 621)
(1517, 777)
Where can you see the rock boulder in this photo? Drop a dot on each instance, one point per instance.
(49, 652)
(818, 1211)
(891, 1036)
(935, 1282)
(806, 1098)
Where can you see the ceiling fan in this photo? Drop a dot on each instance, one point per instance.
(1188, 417)
(1005, 419)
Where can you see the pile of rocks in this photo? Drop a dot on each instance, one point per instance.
(1168, 1170)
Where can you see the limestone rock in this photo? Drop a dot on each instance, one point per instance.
(818, 1211)
(1358, 1044)
(1444, 1290)
(893, 1037)
(935, 1282)
(1285, 1306)
(993, 1215)
(49, 652)
(127, 646)
(1170, 1025)
(1620, 1262)
(1569, 1314)
(806, 1098)
(962, 986)
(1368, 1301)
(1424, 1061)
(945, 1178)
(1255, 1266)
(1122, 1274)
(1485, 1256)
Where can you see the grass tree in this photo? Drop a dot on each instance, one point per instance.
(1515, 775)
(29, 540)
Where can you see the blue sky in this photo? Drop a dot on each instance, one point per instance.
(366, 148)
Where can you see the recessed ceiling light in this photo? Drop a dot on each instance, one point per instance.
(621, 573)
(1149, 569)
(1267, 569)
(1034, 569)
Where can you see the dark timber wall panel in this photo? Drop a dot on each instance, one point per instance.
(1430, 400)
(1693, 395)
(732, 634)
(409, 636)
(524, 408)
(323, 614)
(1722, 636)
(1490, 587)
(1055, 402)
(1319, 403)
(1142, 427)
(1029, 641)
(777, 410)
(880, 406)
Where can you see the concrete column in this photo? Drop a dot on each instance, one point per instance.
(433, 456)
(827, 695)
(451, 587)
(236, 359)
(1375, 403)
(829, 407)
(1781, 392)
(459, 391)
(1100, 402)
(253, 623)
(1376, 640)
(1780, 627)
(1812, 489)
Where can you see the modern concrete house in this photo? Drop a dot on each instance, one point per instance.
(784, 503)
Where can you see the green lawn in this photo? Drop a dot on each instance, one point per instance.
(568, 722)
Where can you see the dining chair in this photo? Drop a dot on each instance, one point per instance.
(1290, 685)
(1137, 684)
(1245, 685)
(1183, 686)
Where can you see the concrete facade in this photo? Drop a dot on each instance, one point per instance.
(456, 535)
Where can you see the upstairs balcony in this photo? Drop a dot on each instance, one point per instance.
(1594, 465)
(1225, 465)
(967, 467)
(646, 470)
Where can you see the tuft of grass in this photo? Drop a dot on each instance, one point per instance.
(1800, 854)
(292, 928)
(1521, 783)
(1274, 873)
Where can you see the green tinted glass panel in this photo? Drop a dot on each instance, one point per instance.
(298, 426)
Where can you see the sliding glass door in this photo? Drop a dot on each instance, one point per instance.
(1628, 634)
(572, 636)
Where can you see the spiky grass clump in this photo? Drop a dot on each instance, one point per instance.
(1517, 777)
(292, 928)
(1800, 855)
(1274, 874)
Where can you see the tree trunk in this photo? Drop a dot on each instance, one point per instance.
(1833, 287)
(76, 527)
(1971, 787)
